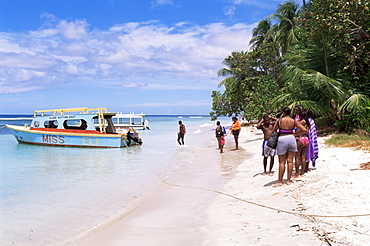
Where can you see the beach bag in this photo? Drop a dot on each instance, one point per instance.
(273, 139)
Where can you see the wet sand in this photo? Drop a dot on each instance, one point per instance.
(233, 203)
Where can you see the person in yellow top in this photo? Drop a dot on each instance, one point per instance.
(235, 130)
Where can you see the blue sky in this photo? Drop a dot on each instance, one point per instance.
(151, 56)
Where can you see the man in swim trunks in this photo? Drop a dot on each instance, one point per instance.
(267, 127)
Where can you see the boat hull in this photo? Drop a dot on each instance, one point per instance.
(25, 134)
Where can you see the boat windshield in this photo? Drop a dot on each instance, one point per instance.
(77, 124)
(51, 124)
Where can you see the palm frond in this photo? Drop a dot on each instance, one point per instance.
(355, 103)
(293, 73)
(227, 81)
(329, 87)
(224, 72)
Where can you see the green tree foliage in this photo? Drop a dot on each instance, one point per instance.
(324, 57)
(317, 56)
(249, 84)
(344, 28)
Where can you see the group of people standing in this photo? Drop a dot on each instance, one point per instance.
(297, 142)
(221, 134)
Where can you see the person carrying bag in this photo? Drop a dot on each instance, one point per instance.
(273, 139)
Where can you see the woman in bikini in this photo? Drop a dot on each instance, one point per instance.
(287, 145)
(302, 145)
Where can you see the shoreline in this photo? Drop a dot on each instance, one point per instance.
(238, 208)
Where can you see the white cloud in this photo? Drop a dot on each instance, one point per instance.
(8, 44)
(18, 89)
(265, 4)
(172, 104)
(133, 85)
(161, 2)
(76, 29)
(229, 10)
(63, 51)
(73, 30)
(27, 61)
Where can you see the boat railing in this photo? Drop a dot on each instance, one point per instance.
(83, 110)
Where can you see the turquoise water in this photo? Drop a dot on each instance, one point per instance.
(50, 195)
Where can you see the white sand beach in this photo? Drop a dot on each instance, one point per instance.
(326, 206)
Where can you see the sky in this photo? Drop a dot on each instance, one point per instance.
(151, 56)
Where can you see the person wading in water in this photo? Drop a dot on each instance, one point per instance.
(181, 133)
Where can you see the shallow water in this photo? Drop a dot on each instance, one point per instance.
(51, 195)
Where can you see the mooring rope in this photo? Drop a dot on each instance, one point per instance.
(265, 206)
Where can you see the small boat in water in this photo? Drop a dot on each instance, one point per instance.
(74, 127)
(126, 121)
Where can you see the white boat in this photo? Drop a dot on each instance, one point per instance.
(74, 127)
(126, 121)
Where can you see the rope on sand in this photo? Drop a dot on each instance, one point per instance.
(268, 207)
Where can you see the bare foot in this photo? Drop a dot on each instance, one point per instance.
(289, 182)
(264, 174)
(278, 184)
(270, 174)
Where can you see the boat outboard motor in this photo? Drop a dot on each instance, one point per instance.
(135, 139)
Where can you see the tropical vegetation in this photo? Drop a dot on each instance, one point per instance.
(357, 141)
(317, 56)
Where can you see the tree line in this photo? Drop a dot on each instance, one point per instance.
(316, 56)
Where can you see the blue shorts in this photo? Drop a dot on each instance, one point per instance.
(267, 151)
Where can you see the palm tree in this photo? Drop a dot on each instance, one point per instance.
(284, 32)
(235, 72)
(260, 33)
